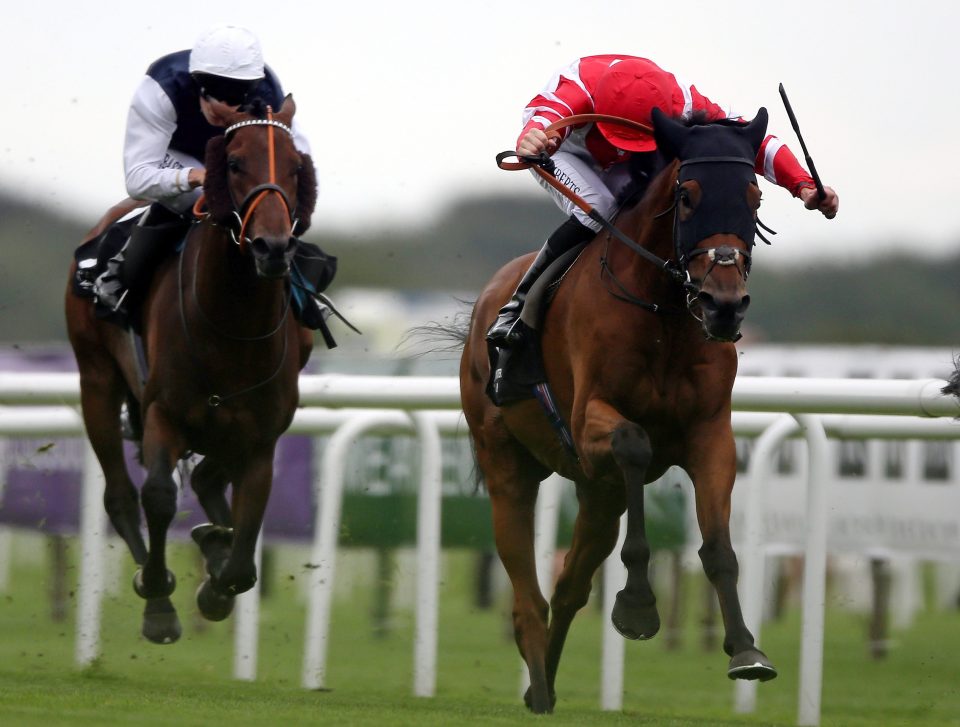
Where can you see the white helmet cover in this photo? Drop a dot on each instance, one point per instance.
(228, 51)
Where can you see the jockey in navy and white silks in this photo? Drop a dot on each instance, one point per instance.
(167, 131)
(171, 119)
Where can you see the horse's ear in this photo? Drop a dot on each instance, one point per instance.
(224, 112)
(288, 108)
(668, 134)
(756, 130)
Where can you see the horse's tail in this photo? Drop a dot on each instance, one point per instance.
(953, 384)
(436, 337)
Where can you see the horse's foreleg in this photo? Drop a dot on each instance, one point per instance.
(162, 447)
(594, 535)
(250, 494)
(711, 464)
(635, 613)
(610, 443)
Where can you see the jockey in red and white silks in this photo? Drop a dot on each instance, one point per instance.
(590, 159)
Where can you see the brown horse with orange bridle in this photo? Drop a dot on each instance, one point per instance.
(223, 353)
(642, 385)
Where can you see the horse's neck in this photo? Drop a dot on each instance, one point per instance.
(649, 224)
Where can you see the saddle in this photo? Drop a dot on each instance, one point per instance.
(313, 271)
(518, 373)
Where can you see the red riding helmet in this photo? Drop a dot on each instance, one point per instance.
(631, 89)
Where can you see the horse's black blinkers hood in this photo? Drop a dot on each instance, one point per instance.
(720, 158)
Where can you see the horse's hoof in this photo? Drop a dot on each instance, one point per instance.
(160, 622)
(634, 620)
(208, 533)
(751, 664)
(539, 703)
(214, 606)
(141, 590)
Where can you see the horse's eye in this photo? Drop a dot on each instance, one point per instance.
(233, 164)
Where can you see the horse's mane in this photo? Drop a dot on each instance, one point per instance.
(661, 161)
(700, 118)
(219, 204)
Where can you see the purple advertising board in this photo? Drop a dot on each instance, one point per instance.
(40, 479)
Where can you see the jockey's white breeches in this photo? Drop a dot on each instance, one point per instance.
(600, 188)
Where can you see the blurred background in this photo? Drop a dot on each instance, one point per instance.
(406, 106)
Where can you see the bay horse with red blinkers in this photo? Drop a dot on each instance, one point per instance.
(223, 353)
(642, 385)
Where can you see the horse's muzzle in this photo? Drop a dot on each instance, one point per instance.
(722, 317)
(273, 256)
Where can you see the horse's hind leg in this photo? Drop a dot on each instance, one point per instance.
(209, 480)
(237, 572)
(634, 614)
(162, 448)
(513, 487)
(215, 539)
(594, 535)
(102, 391)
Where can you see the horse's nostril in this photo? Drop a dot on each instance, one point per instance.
(274, 247)
(706, 301)
(723, 306)
(260, 247)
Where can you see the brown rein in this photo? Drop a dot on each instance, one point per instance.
(544, 168)
(553, 132)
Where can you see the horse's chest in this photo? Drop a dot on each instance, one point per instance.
(653, 401)
(211, 428)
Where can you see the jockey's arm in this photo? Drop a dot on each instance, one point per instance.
(151, 122)
(561, 98)
(777, 164)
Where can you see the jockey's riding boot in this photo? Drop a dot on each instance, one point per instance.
(508, 330)
(108, 288)
(129, 272)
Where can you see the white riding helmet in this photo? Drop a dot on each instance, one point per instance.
(228, 51)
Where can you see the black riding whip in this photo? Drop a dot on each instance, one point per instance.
(806, 155)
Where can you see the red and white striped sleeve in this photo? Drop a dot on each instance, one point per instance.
(774, 161)
(777, 164)
(565, 94)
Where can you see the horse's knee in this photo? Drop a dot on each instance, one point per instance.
(718, 559)
(631, 447)
(122, 505)
(568, 598)
(159, 497)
